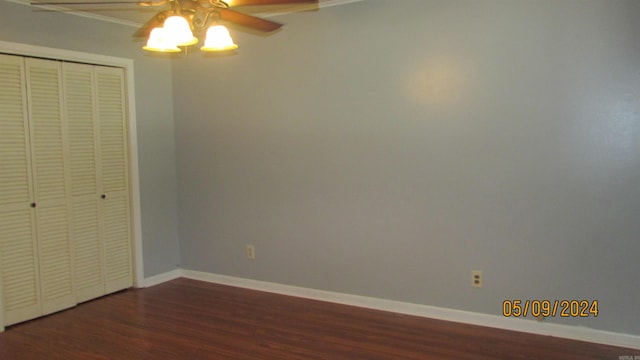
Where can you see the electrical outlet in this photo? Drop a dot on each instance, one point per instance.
(251, 252)
(477, 279)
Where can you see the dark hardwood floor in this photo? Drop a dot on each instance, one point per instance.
(188, 319)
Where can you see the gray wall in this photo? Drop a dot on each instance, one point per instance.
(154, 114)
(387, 148)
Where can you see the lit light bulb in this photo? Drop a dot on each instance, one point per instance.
(178, 31)
(158, 42)
(218, 39)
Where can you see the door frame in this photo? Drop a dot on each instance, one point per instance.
(18, 49)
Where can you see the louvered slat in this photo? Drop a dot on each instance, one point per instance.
(19, 274)
(18, 259)
(113, 170)
(14, 152)
(117, 243)
(113, 134)
(79, 103)
(55, 257)
(50, 170)
(17, 247)
(43, 84)
(89, 278)
(79, 89)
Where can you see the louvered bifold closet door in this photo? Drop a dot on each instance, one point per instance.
(50, 179)
(79, 95)
(113, 159)
(19, 274)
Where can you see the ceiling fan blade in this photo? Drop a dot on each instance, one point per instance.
(268, 2)
(248, 20)
(156, 21)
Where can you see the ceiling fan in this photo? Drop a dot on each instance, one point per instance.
(176, 21)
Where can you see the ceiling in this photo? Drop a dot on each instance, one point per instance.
(135, 16)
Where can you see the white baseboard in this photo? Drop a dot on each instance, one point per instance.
(433, 312)
(494, 321)
(160, 278)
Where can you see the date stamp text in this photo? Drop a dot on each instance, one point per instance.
(550, 308)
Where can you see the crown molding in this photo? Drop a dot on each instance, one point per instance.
(328, 3)
(321, 4)
(78, 13)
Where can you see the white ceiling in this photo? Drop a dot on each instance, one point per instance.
(134, 16)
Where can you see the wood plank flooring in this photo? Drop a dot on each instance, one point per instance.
(188, 319)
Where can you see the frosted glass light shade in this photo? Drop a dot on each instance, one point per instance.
(159, 42)
(218, 39)
(178, 31)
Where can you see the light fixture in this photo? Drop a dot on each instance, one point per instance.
(218, 39)
(176, 31)
(158, 42)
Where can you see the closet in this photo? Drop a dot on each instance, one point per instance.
(65, 229)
